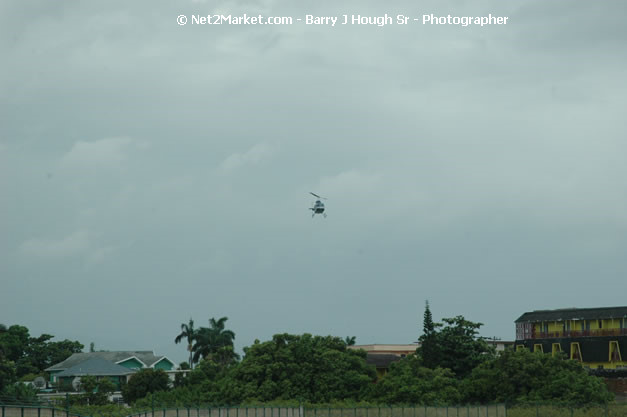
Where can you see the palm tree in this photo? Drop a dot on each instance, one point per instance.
(187, 331)
(350, 340)
(211, 342)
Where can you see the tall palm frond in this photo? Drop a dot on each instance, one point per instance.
(211, 341)
(187, 331)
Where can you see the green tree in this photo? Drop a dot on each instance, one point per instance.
(96, 391)
(14, 341)
(18, 394)
(350, 340)
(215, 343)
(523, 376)
(143, 382)
(7, 373)
(461, 349)
(455, 345)
(32, 355)
(188, 332)
(61, 350)
(308, 368)
(409, 382)
(429, 349)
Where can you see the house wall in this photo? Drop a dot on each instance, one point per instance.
(53, 374)
(165, 365)
(117, 380)
(131, 363)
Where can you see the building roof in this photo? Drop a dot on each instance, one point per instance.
(145, 356)
(574, 314)
(96, 366)
(388, 348)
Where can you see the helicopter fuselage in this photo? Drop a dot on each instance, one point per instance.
(318, 208)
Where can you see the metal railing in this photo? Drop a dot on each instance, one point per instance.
(491, 410)
(577, 333)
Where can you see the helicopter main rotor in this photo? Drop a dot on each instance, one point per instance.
(317, 196)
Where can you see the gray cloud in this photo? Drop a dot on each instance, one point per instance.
(149, 172)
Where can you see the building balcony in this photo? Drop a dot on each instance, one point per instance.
(579, 333)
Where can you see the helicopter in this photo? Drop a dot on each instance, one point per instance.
(318, 207)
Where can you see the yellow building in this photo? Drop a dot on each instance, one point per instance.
(596, 337)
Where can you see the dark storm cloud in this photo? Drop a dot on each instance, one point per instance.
(155, 171)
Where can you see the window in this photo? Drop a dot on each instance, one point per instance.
(600, 324)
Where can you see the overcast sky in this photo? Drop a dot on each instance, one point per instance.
(151, 172)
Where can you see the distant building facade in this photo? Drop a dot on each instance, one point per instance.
(382, 356)
(596, 337)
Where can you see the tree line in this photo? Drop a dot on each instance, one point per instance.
(23, 357)
(453, 365)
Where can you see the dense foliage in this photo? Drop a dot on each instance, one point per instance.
(454, 345)
(23, 357)
(522, 376)
(309, 368)
(214, 342)
(409, 382)
(144, 382)
(452, 366)
(95, 391)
